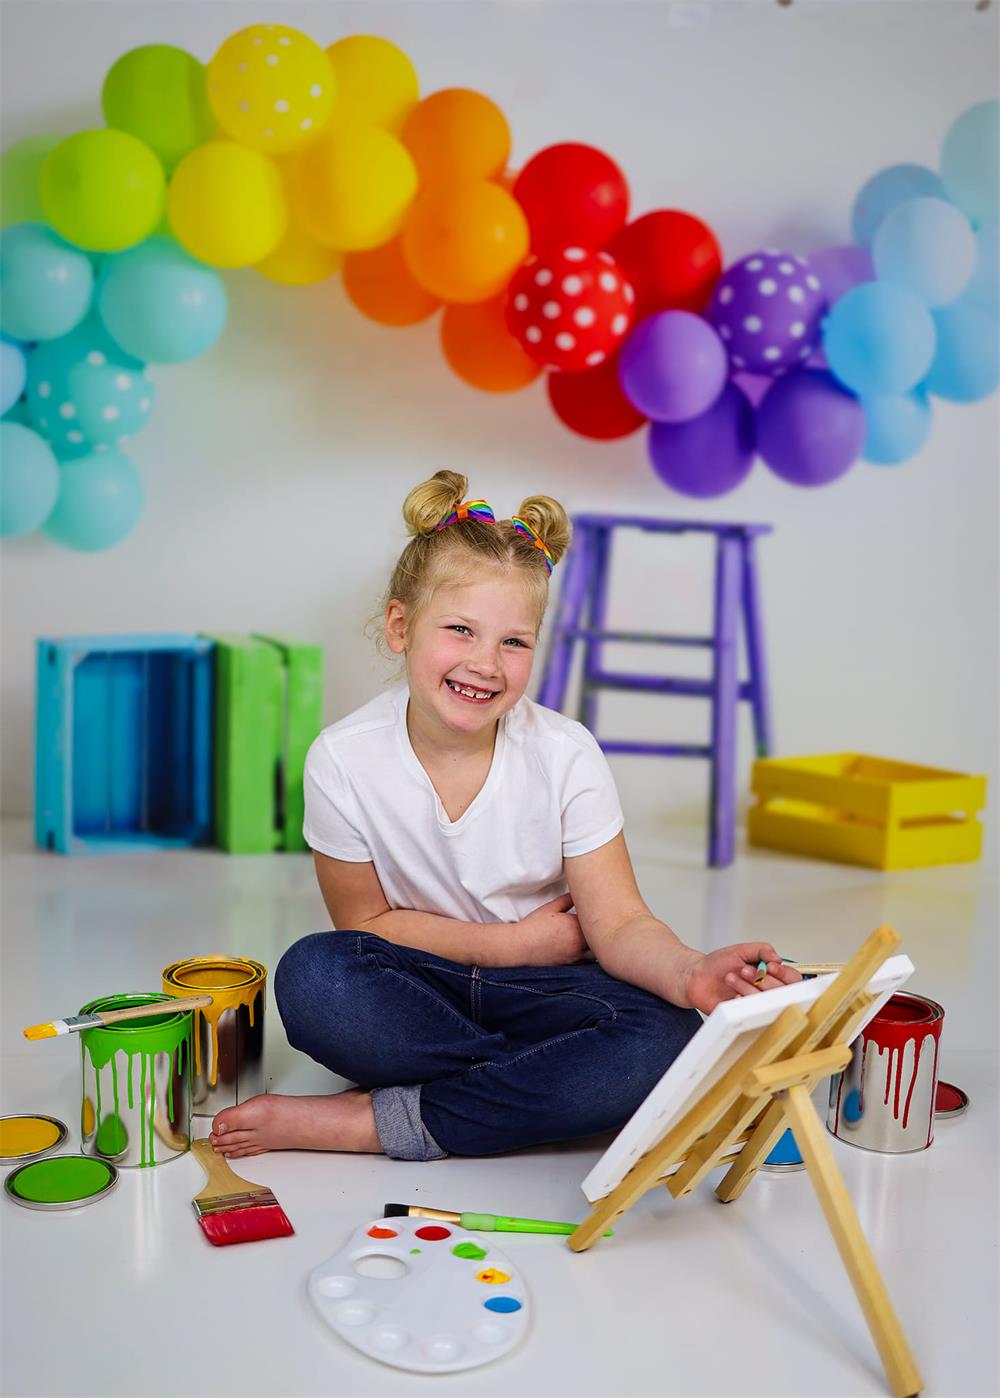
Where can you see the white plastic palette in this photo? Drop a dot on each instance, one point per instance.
(460, 1302)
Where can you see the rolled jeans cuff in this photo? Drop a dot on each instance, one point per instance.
(401, 1132)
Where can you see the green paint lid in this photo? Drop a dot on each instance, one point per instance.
(26, 1136)
(60, 1182)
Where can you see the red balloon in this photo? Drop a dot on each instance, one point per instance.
(593, 403)
(569, 309)
(671, 258)
(573, 196)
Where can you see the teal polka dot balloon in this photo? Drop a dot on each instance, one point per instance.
(85, 393)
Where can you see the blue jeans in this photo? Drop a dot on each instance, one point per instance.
(476, 1060)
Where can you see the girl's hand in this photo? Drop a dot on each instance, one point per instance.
(551, 936)
(731, 971)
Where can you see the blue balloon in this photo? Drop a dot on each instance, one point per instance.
(966, 366)
(100, 501)
(928, 247)
(85, 392)
(880, 195)
(984, 286)
(29, 480)
(160, 304)
(879, 339)
(45, 284)
(13, 372)
(970, 162)
(897, 427)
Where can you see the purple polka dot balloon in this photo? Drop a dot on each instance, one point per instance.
(767, 309)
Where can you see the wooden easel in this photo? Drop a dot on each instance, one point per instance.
(739, 1119)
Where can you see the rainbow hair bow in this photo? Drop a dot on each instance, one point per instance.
(524, 528)
(469, 509)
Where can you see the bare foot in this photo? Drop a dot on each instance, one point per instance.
(343, 1121)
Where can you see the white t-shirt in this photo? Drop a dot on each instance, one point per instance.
(549, 793)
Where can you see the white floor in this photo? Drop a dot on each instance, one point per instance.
(125, 1297)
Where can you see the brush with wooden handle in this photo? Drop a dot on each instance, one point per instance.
(72, 1024)
(231, 1209)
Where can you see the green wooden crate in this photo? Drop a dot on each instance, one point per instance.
(301, 720)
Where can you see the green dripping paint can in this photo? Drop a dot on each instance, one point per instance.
(136, 1107)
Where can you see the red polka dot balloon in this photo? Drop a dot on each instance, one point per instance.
(570, 309)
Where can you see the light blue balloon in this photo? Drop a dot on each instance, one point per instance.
(966, 366)
(13, 372)
(100, 501)
(984, 286)
(879, 339)
(928, 247)
(45, 284)
(970, 162)
(897, 427)
(885, 190)
(160, 303)
(29, 480)
(85, 392)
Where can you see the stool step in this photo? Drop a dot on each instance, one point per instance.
(658, 684)
(641, 637)
(655, 749)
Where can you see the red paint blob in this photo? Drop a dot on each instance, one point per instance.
(433, 1234)
(376, 1232)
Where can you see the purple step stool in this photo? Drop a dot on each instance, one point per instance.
(581, 617)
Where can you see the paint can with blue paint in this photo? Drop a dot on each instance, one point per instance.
(785, 1156)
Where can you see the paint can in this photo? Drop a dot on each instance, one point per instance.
(884, 1099)
(136, 1084)
(228, 1062)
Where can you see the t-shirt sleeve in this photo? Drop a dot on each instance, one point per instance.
(591, 811)
(332, 822)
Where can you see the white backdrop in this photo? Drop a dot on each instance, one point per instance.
(275, 466)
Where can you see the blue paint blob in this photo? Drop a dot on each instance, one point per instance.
(851, 1110)
(504, 1304)
(785, 1152)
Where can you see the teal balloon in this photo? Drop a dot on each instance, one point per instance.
(161, 304)
(100, 501)
(928, 247)
(85, 392)
(29, 480)
(885, 190)
(896, 428)
(45, 284)
(879, 339)
(966, 366)
(970, 162)
(13, 372)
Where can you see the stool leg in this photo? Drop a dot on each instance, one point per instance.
(760, 702)
(597, 607)
(725, 693)
(558, 659)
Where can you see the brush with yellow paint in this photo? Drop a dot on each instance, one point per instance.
(72, 1024)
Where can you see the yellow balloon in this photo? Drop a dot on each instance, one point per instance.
(376, 82)
(226, 204)
(271, 87)
(299, 260)
(352, 187)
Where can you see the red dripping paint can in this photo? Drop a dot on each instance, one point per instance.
(884, 1098)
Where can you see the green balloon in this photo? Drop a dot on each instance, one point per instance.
(103, 190)
(158, 93)
(20, 176)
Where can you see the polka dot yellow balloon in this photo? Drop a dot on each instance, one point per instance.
(271, 87)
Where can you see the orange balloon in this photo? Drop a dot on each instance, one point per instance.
(464, 241)
(456, 134)
(482, 351)
(380, 285)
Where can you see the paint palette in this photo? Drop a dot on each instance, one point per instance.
(422, 1295)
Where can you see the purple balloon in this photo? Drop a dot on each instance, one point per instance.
(753, 385)
(839, 268)
(810, 430)
(768, 309)
(673, 366)
(711, 454)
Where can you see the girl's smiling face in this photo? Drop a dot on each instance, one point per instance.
(468, 653)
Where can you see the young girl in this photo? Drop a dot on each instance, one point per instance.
(496, 980)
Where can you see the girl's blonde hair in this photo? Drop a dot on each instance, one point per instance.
(434, 557)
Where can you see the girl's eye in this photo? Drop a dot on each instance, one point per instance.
(513, 641)
(459, 628)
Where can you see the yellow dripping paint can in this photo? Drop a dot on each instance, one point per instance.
(228, 1065)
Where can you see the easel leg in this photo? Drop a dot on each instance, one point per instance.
(856, 1255)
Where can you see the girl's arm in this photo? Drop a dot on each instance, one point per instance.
(633, 945)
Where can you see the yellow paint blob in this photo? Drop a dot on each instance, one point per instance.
(23, 1135)
(492, 1276)
(88, 1119)
(231, 982)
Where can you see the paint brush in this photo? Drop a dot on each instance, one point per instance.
(72, 1024)
(231, 1209)
(815, 968)
(482, 1223)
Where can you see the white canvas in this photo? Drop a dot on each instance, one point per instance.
(727, 1033)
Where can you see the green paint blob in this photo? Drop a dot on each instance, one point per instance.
(413, 1250)
(61, 1179)
(112, 1138)
(470, 1250)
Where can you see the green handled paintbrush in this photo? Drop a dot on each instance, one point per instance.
(482, 1223)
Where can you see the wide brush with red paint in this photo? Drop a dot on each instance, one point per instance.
(231, 1209)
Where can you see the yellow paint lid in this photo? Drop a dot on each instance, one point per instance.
(28, 1135)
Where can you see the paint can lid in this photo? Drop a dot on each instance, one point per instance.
(27, 1136)
(949, 1100)
(60, 1182)
(782, 1167)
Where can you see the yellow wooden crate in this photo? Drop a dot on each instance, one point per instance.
(866, 810)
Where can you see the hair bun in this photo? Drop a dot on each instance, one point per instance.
(549, 521)
(428, 503)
